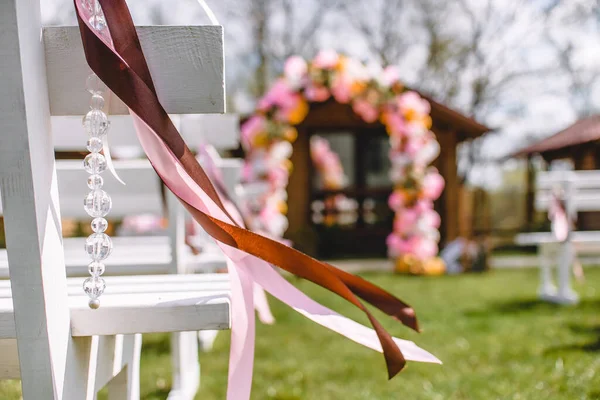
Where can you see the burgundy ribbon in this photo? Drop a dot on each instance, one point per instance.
(126, 73)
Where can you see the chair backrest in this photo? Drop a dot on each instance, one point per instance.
(139, 195)
(581, 189)
(42, 73)
(222, 131)
(219, 130)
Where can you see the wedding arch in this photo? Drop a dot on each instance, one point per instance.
(375, 94)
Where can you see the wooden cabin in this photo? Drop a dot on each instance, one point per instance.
(363, 149)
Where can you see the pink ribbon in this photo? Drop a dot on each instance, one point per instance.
(245, 270)
(558, 217)
(261, 303)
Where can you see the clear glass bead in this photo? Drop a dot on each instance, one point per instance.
(98, 246)
(97, 102)
(94, 144)
(94, 85)
(99, 224)
(94, 287)
(94, 163)
(96, 123)
(97, 203)
(95, 181)
(96, 268)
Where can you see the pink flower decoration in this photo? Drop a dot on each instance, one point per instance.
(394, 244)
(295, 70)
(416, 128)
(414, 146)
(342, 89)
(251, 128)
(425, 248)
(412, 101)
(278, 176)
(396, 201)
(390, 75)
(366, 110)
(424, 205)
(326, 59)
(280, 94)
(405, 221)
(395, 123)
(429, 152)
(431, 219)
(433, 185)
(316, 93)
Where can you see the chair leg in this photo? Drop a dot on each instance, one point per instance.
(132, 350)
(186, 366)
(547, 290)
(80, 373)
(119, 366)
(207, 339)
(566, 295)
(118, 387)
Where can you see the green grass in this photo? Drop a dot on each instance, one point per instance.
(496, 341)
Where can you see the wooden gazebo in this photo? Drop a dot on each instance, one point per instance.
(364, 148)
(580, 144)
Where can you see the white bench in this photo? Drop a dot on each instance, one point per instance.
(66, 351)
(582, 193)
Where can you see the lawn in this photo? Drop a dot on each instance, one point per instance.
(496, 340)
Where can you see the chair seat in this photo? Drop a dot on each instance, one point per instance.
(134, 255)
(130, 305)
(547, 237)
(145, 304)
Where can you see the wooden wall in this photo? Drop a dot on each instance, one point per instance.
(299, 194)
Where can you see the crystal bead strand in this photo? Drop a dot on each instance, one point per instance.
(97, 203)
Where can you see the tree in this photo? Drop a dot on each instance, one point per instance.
(275, 30)
(580, 23)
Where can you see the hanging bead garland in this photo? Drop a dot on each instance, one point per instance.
(97, 203)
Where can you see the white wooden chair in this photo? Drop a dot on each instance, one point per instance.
(66, 350)
(582, 193)
(140, 255)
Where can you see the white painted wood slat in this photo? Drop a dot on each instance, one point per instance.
(140, 313)
(186, 63)
(30, 198)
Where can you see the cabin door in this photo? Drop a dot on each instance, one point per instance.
(354, 221)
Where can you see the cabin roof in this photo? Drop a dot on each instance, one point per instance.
(468, 126)
(581, 132)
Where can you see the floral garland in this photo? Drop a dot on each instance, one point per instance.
(374, 94)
